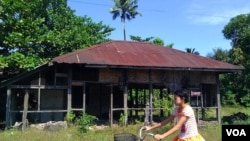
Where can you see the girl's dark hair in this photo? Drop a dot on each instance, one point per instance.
(183, 94)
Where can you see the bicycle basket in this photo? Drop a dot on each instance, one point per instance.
(125, 137)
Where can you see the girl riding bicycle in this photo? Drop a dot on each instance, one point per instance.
(186, 120)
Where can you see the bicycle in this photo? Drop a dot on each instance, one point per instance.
(131, 137)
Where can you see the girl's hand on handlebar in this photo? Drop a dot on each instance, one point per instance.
(147, 128)
(158, 137)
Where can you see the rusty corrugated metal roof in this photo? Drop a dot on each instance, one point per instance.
(139, 54)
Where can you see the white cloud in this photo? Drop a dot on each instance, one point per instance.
(214, 14)
(207, 19)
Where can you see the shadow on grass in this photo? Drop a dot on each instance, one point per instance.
(236, 118)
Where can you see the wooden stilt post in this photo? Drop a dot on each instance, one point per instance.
(125, 104)
(69, 93)
(8, 105)
(161, 97)
(202, 105)
(125, 97)
(136, 101)
(146, 113)
(111, 105)
(151, 97)
(25, 110)
(218, 111)
(39, 93)
(84, 97)
(131, 101)
(144, 98)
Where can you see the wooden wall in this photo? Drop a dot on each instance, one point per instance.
(172, 79)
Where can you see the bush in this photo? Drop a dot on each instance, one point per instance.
(70, 117)
(122, 119)
(84, 121)
(229, 98)
(166, 103)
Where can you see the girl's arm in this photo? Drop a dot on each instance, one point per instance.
(164, 122)
(181, 121)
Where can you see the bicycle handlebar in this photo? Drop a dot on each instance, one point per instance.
(142, 137)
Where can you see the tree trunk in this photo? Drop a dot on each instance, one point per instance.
(124, 29)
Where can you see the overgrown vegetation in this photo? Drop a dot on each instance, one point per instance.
(107, 134)
(70, 117)
(122, 119)
(82, 122)
(235, 87)
(166, 102)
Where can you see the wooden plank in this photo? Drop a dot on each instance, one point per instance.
(41, 111)
(77, 109)
(25, 109)
(8, 104)
(61, 75)
(37, 87)
(77, 83)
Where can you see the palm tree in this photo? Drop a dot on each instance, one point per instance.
(125, 9)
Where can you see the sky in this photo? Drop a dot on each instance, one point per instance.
(185, 23)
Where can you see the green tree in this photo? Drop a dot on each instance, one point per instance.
(192, 51)
(228, 96)
(158, 41)
(139, 39)
(220, 54)
(170, 45)
(125, 9)
(238, 31)
(38, 30)
(153, 40)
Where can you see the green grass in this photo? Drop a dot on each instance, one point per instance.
(209, 132)
(229, 110)
(72, 134)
